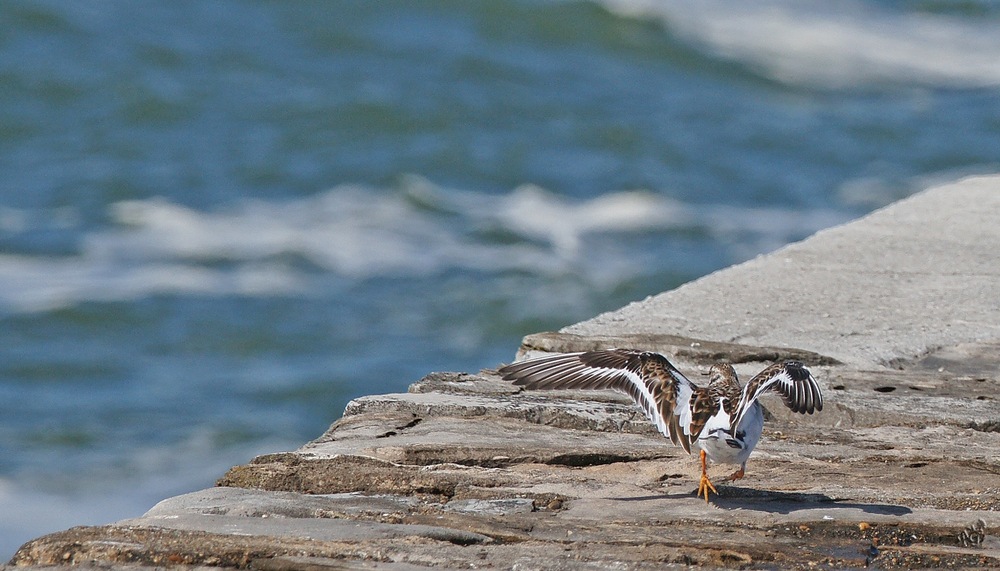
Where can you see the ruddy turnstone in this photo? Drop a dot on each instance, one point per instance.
(723, 420)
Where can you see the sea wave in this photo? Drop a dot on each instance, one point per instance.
(834, 44)
(265, 248)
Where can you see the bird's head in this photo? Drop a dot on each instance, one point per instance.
(722, 373)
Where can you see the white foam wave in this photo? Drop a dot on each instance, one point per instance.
(535, 212)
(41, 283)
(834, 44)
(256, 248)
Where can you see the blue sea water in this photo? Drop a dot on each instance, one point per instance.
(220, 220)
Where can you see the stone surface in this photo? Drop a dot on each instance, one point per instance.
(900, 470)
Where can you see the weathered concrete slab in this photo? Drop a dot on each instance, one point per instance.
(900, 470)
(920, 274)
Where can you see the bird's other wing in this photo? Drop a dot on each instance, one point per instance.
(798, 389)
(660, 390)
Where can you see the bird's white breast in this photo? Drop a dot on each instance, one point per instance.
(716, 444)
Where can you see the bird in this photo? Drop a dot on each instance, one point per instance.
(722, 420)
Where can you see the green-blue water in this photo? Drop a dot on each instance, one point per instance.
(220, 221)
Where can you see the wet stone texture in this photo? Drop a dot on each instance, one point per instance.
(901, 470)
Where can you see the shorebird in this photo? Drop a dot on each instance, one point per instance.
(722, 419)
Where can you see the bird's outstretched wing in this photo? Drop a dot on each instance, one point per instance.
(792, 380)
(660, 390)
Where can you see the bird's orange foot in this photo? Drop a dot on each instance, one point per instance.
(704, 486)
(737, 475)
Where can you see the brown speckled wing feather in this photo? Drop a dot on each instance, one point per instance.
(660, 390)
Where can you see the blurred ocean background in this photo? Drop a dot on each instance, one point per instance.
(220, 220)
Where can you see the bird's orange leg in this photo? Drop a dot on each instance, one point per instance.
(704, 485)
